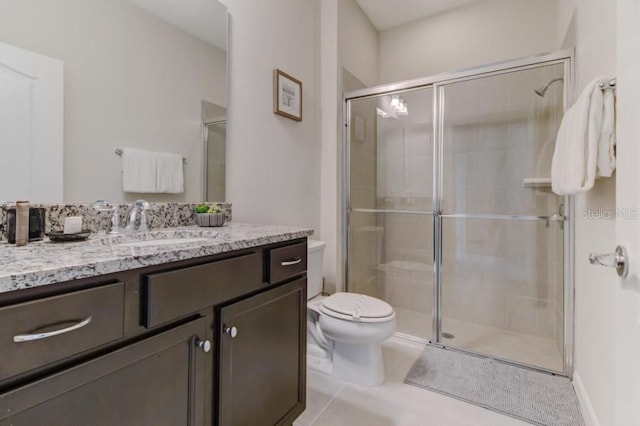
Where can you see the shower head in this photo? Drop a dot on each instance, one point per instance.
(542, 90)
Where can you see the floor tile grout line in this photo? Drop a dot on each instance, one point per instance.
(335, 395)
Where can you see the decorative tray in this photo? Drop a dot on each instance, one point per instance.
(60, 237)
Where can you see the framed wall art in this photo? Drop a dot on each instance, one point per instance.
(287, 95)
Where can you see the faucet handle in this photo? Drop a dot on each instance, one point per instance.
(143, 206)
(105, 206)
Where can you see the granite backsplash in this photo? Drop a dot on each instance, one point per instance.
(161, 215)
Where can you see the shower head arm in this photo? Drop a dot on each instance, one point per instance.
(542, 90)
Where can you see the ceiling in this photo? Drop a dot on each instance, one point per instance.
(204, 19)
(386, 14)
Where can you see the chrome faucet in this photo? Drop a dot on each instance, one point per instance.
(141, 207)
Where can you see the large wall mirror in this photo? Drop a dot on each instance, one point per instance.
(81, 78)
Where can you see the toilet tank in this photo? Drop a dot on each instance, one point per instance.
(315, 252)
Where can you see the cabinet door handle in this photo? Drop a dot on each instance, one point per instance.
(289, 262)
(205, 345)
(37, 336)
(231, 331)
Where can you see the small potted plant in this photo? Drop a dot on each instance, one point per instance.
(209, 215)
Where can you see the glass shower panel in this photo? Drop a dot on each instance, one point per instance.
(502, 289)
(502, 266)
(499, 137)
(391, 258)
(391, 204)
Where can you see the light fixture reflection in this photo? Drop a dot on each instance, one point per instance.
(392, 106)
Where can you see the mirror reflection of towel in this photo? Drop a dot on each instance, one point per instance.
(169, 173)
(152, 172)
(138, 170)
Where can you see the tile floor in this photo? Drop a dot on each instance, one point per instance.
(334, 403)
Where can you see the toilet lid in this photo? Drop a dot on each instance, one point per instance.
(357, 307)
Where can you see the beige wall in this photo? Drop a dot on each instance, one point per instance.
(358, 42)
(594, 31)
(273, 163)
(131, 80)
(481, 33)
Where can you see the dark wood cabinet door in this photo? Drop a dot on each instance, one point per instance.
(157, 381)
(262, 370)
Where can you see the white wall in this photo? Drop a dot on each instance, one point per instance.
(273, 163)
(595, 36)
(357, 42)
(331, 137)
(483, 32)
(349, 41)
(130, 80)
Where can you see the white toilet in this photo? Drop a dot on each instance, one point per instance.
(345, 330)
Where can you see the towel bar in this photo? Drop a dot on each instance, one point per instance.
(611, 84)
(118, 151)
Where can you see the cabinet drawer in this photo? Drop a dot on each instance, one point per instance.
(47, 330)
(174, 294)
(287, 262)
(158, 381)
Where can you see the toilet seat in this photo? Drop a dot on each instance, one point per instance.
(357, 308)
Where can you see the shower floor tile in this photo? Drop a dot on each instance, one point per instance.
(512, 346)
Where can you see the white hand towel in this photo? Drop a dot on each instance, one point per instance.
(138, 170)
(573, 168)
(607, 143)
(169, 173)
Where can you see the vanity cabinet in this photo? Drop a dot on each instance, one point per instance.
(158, 381)
(215, 340)
(262, 367)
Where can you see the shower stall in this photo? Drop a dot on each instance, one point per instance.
(449, 212)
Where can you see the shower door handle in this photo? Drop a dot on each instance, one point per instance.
(618, 260)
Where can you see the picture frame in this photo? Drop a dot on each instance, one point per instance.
(287, 95)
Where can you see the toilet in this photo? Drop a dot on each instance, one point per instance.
(345, 330)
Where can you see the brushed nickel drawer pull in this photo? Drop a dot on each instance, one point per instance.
(37, 336)
(290, 262)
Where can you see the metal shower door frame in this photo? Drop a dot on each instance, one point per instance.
(438, 83)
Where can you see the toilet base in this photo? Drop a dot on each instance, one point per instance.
(360, 364)
(319, 364)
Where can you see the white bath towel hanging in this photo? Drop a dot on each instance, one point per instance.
(575, 160)
(169, 173)
(138, 170)
(606, 163)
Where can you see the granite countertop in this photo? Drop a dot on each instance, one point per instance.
(44, 262)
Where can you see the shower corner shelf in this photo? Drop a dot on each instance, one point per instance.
(536, 182)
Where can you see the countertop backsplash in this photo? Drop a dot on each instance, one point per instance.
(161, 215)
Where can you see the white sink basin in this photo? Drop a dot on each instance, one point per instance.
(163, 242)
(159, 238)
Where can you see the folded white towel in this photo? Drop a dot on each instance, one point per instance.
(607, 143)
(169, 173)
(575, 158)
(138, 170)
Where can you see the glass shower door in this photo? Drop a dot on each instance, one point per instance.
(501, 232)
(390, 225)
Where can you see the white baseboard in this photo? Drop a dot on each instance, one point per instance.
(586, 408)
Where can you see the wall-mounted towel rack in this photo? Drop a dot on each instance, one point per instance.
(118, 151)
(611, 84)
